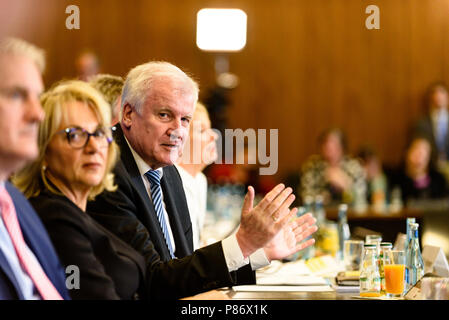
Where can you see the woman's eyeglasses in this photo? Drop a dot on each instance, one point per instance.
(79, 138)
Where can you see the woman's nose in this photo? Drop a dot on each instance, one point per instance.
(92, 145)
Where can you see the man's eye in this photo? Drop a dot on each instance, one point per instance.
(18, 94)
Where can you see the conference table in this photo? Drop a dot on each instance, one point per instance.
(312, 279)
(389, 224)
(289, 295)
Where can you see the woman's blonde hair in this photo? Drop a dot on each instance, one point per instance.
(31, 180)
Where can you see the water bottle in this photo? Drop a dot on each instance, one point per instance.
(305, 253)
(406, 250)
(408, 222)
(343, 228)
(369, 272)
(414, 257)
(320, 214)
(308, 203)
(309, 252)
(384, 248)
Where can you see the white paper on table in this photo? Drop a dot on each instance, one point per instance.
(257, 288)
(435, 261)
(291, 280)
(276, 267)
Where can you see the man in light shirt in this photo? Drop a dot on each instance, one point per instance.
(157, 106)
(29, 266)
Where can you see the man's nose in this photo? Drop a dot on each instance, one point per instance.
(176, 134)
(34, 113)
(176, 129)
(213, 135)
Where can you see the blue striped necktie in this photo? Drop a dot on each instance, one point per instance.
(154, 178)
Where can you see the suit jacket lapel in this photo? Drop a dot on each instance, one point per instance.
(182, 248)
(131, 167)
(148, 217)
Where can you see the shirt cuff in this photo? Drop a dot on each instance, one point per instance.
(233, 254)
(258, 259)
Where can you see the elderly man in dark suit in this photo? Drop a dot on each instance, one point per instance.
(149, 206)
(29, 266)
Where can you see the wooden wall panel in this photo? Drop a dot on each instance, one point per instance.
(308, 64)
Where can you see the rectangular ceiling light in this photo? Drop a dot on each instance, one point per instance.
(221, 29)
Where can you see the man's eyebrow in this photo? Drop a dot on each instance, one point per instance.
(11, 89)
(164, 109)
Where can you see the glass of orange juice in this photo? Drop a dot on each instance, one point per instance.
(394, 267)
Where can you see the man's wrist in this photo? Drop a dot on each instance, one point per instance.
(244, 245)
(233, 254)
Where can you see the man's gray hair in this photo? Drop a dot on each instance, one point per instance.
(140, 79)
(16, 46)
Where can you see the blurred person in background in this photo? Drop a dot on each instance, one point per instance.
(418, 178)
(242, 171)
(434, 125)
(202, 140)
(111, 88)
(87, 65)
(333, 174)
(377, 181)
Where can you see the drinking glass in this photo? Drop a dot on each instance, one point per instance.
(373, 238)
(352, 254)
(394, 267)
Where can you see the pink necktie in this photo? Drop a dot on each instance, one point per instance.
(32, 267)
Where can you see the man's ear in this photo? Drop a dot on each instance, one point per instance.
(126, 115)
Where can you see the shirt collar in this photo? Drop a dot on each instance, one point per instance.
(141, 164)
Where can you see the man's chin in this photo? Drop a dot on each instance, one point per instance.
(27, 155)
(173, 157)
(19, 160)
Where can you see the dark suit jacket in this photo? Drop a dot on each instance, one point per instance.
(131, 200)
(111, 269)
(424, 128)
(129, 213)
(37, 239)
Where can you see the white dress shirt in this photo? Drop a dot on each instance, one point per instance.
(231, 249)
(195, 189)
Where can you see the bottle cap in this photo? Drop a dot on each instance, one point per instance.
(370, 245)
(386, 244)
